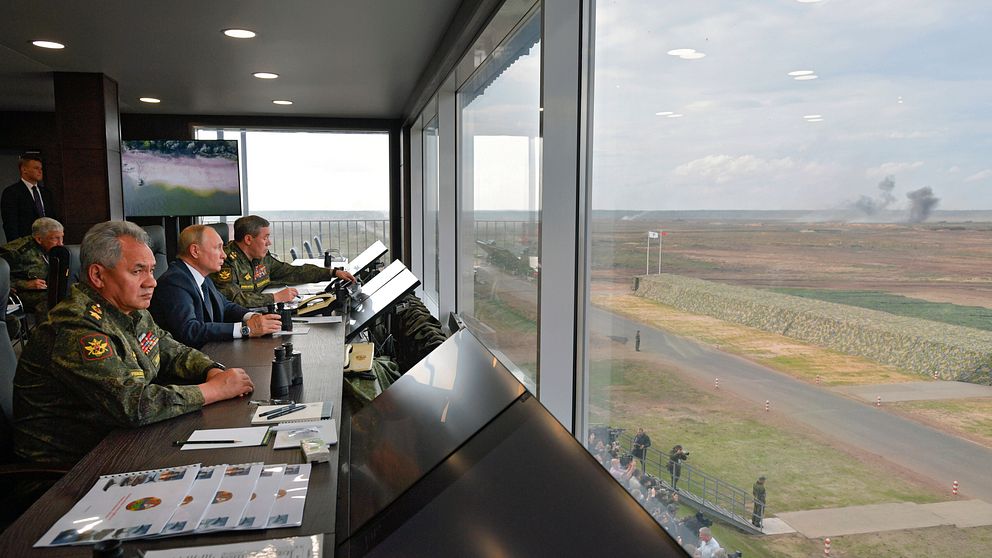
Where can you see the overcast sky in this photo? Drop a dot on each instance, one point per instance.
(903, 89)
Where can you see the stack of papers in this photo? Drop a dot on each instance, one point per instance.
(184, 500)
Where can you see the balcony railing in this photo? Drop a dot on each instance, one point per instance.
(345, 237)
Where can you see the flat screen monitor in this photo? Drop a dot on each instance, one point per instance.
(366, 311)
(379, 281)
(180, 178)
(367, 258)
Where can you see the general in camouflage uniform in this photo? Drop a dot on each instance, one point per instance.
(242, 279)
(96, 364)
(29, 263)
(250, 267)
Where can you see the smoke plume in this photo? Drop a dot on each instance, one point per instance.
(922, 202)
(870, 206)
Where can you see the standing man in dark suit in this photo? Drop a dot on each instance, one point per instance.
(188, 305)
(25, 200)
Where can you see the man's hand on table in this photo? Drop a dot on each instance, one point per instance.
(225, 384)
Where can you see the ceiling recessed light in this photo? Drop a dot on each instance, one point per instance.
(152, 100)
(805, 78)
(282, 102)
(808, 116)
(666, 113)
(265, 75)
(48, 44)
(239, 33)
(801, 73)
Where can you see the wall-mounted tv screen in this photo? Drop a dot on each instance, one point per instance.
(180, 177)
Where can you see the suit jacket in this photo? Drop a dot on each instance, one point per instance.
(179, 308)
(18, 211)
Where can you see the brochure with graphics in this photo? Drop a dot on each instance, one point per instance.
(194, 505)
(229, 504)
(124, 506)
(287, 511)
(295, 547)
(257, 513)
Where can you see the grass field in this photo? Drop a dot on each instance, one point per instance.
(798, 359)
(968, 316)
(970, 417)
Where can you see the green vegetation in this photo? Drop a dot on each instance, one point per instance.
(738, 444)
(967, 316)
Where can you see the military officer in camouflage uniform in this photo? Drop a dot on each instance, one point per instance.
(250, 267)
(95, 364)
(28, 261)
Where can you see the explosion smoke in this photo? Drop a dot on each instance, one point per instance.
(870, 206)
(922, 202)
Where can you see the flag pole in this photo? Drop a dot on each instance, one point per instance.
(647, 257)
(660, 240)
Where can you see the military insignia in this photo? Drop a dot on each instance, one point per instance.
(96, 346)
(138, 374)
(224, 275)
(261, 271)
(247, 276)
(147, 341)
(95, 312)
(232, 256)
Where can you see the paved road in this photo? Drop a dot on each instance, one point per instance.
(929, 452)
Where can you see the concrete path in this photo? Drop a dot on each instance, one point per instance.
(926, 451)
(856, 520)
(916, 391)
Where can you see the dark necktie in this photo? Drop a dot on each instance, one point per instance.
(206, 302)
(36, 194)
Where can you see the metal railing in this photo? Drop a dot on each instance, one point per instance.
(345, 237)
(732, 503)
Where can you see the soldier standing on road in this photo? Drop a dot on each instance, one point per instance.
(759, 502)
(637, 341)
(675, 459)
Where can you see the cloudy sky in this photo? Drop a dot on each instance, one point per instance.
(903, 90)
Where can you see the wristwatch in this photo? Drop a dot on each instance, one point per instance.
(245, 331)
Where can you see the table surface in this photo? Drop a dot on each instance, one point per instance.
(150, 447)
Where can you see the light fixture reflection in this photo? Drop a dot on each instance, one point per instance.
(48, 44)
(687, 53)
(806, 78)
(666, 113)
(239, 33)
(676, 115)
(265, 75)
(808, 116)
(282, 102)
(151, 100)
(801, 73)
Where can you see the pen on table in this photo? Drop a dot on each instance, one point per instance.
(279, 410)
(287, 411)
(184, 442)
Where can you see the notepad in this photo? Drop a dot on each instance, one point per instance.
(313, 411)
(245, 437)
(289, 435)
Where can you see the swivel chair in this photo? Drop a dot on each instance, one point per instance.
(156, 236)
(317, 245)
(294, 253)
(222, 229)
(59, 269)
(306, 248)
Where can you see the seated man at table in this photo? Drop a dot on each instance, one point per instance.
(250, 267)
(188, 305)
(99, 360)
(28, 261)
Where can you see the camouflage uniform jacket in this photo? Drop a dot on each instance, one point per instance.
(242, 279)
(27, 261)
(89, 369)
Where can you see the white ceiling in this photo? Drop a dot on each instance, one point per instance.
(340, 58)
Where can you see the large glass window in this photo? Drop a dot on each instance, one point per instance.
(341, 179)
(432, 185)
(499, 172)
(791, 227)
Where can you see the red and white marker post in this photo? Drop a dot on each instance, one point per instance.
(817, 379)
(716, 383)
(878, 401)
(768, 405)
(826, 547)
(954, 488)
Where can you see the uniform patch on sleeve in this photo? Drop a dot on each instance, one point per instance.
(147, 340)
(224, 275)
(96, 346)
(247, 276)
(138, 374)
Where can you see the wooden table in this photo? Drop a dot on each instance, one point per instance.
(150, 447)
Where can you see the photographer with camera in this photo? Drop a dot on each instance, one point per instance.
(675, 459)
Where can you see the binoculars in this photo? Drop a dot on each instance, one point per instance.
(285, 314)
(287, 370)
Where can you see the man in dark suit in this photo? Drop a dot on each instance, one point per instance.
(188, 305)
(25, 200)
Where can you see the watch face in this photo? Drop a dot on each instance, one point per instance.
(245, 331)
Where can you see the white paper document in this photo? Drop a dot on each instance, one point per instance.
(243, 438)
(125, 506)
(287, 510)
(229, 504)
(298, 329)
(294, 547)
(257, 513)
(194, 505)
(317, 320)
(288, 435)
(305, 289)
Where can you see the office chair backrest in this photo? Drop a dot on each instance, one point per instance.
(306, 248)
(222, 229)
(294, 253)
(59, 266)
(317, 245)
(74, 263)
(156, 234)
(8, 361)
